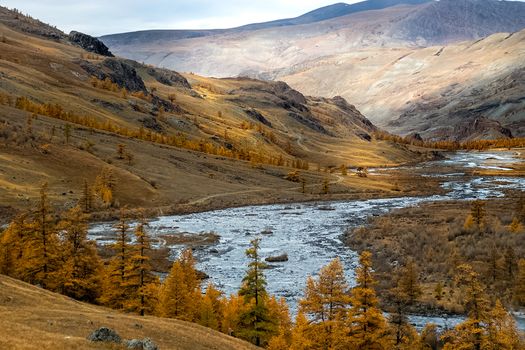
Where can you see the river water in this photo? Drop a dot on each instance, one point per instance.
(311, 233)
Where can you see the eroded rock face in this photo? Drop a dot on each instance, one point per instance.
(89, 43)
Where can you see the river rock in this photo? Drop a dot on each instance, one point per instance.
(279, 258)
(104, 334)
(144, 344)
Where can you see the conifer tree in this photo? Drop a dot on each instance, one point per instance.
(469, 334)
(40, 261)
(211, 308)
(255, 322)
(325, 303)
(86, 199)
(429, 338)
(233, 307)
(408, 282)
(519, 290)
(114, 286)
(502, 332)
(80, 274)
(477, 211)
(367, 323)
(279, 312)
(180, 294)
(300, 337)
(11, 246)
(140, 282)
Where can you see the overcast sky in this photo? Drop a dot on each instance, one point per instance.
(98, 17)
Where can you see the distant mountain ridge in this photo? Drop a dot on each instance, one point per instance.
(318, 15)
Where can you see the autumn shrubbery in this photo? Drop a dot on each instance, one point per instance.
(180, 140)
(486, 235)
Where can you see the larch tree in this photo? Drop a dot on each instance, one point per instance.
(368, 329)
(478, 213)
(174, 299)
(114, 283)
(300, 337)
(429, 338)
(11, 246)
(325, 303)
(408, 282)
(140, 282)
(180, 294)
(80, 274)
(255, 323)
(502, 333)
(40, 261)
(279, 311)
(86, 201)
(469, 334)
(519, 286)
(211, 308)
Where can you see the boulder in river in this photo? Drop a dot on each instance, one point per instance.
(278, 258)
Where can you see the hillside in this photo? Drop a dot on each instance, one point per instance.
(186, 140)
(468, 90)
(33, 318)
(405, 64)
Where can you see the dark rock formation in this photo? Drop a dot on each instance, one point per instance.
(254, 114)
(309, 121)
(124, 75)
(105, 335)
(89, 43)
(118, 71)
(168, 77)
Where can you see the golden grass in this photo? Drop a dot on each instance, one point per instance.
(33, 318)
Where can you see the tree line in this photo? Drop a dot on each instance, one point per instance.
(473, 145)
(179, 140)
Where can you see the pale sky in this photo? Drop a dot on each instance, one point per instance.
(98, 17)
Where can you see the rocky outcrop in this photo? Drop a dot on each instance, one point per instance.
(106, 335)
(254, 114)
(168, 77)
(118, 71)
(89, 43)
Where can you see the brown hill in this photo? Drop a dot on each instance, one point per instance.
(191, 140)
(33, 318)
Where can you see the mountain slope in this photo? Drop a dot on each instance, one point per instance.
(187, 140)
(33, 318)
(435, 91)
